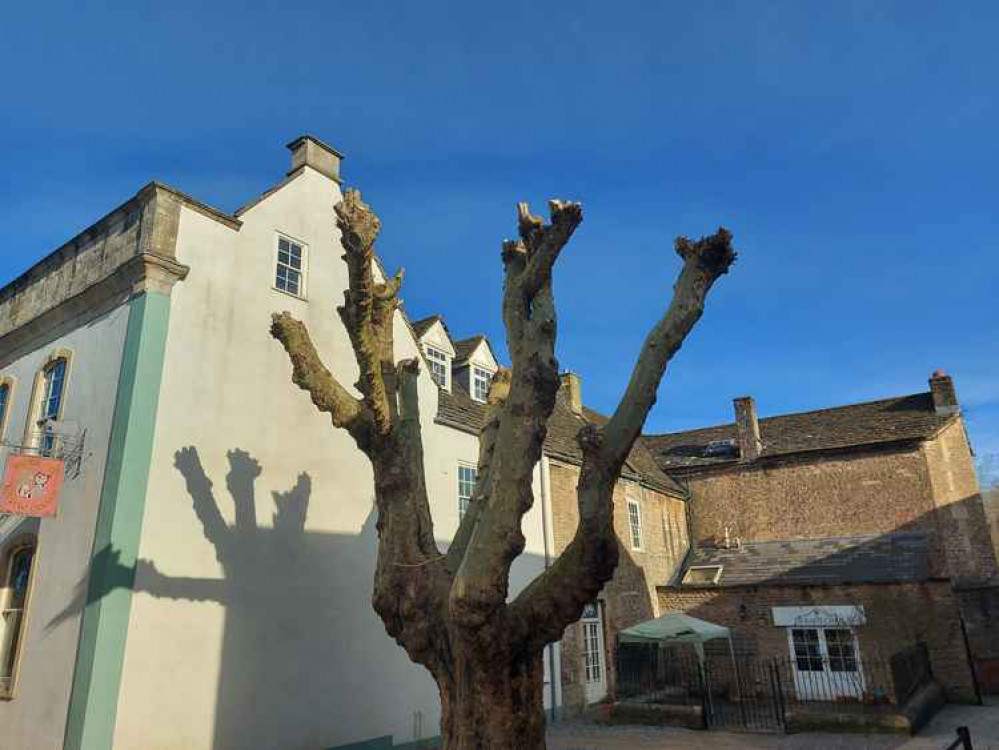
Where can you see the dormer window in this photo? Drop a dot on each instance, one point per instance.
(481, 380)
(439, 366)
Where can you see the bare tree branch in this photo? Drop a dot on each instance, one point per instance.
(481, 582)
(498, 390)
(557, 597)
(367, 310)
(311, 375)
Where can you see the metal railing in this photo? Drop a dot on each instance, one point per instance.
(754, 692)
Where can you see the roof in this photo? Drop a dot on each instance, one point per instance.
(903, 418)
(457, 409)
(423, 325)
(866, 558)
(465, 348)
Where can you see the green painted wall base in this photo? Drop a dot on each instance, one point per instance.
(101, 652)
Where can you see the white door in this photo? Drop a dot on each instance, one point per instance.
(826, 663)
(594, 667)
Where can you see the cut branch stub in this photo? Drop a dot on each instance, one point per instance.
(714, 253)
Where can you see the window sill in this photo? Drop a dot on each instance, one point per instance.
(299, 297)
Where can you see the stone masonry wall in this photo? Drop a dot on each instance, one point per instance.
(821, 496)
(630, 597)
(960, 513)
(147, 223)
(898, 616)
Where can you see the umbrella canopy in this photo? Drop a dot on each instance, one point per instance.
(674, 627)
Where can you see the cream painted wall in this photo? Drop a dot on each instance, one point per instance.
(36, 716)
(259, 632)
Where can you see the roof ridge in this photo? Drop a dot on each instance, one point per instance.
(794, 414)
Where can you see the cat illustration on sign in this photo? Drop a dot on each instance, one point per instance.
(35, 488)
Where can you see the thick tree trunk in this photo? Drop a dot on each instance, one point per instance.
(492, 701)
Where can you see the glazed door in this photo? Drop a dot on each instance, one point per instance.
(826, 663)
(594, 663)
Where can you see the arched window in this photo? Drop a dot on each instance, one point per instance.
(15, 603)
(50, 408)
(5, 393)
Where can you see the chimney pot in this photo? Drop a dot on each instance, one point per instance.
(944, 395)
(309, 151)
(572, 386)
(748, 429)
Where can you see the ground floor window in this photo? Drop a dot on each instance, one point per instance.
(15, 601)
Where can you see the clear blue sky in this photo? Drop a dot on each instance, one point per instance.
(851, 148)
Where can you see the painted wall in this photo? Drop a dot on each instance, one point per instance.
(35, 718)
(252, 623)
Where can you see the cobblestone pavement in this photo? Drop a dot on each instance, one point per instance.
(982, 720)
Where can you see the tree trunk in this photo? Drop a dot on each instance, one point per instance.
(492, 700)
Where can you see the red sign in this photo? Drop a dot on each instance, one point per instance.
(31, 485)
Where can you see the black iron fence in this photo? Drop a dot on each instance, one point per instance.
(755, 693)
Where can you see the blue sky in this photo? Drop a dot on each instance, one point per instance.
(851, 148)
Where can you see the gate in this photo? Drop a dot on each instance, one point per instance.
(741, 693)
(744, 694)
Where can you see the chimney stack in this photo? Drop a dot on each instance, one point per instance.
(944, 395)
(572, 387)
(748, 429)
(309, 151)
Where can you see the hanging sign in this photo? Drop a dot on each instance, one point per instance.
(31, 485)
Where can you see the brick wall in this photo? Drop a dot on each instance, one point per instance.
(959, 511)
(817, 496)
(630, 597)
(897, 617)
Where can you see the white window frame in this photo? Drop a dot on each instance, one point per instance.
(635, 525)
(713, 582)
(303, 272)
(480, 373)
(462, 499)
(443, 360)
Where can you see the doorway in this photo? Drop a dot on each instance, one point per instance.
(594, 662)
(826, 663)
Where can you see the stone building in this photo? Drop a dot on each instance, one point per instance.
(649, 517)
(863, 519)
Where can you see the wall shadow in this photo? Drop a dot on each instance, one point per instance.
(294, 603)
(305, 662)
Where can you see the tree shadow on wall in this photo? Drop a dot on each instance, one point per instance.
(303, 656)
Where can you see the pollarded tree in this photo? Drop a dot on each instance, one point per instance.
(452, 613)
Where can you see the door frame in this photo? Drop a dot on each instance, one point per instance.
(826, 685)
(592, 620)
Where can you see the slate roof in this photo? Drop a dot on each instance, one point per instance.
(457, 409)
(867, 558)
(903, 418)
(466, 347)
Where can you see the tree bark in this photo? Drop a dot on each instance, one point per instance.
(493, 699)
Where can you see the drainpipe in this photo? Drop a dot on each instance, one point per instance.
(545, 481)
